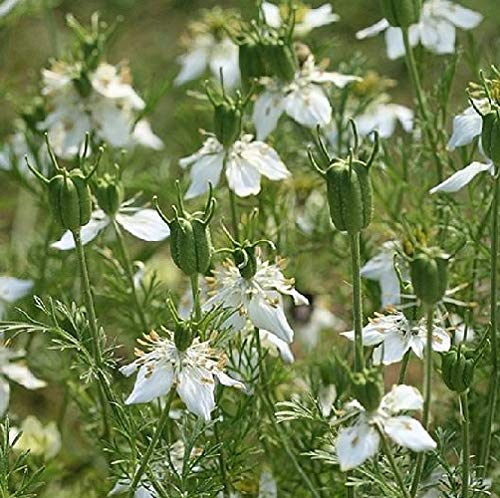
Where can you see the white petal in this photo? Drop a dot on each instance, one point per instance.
(150, 384)
(267, 110)
(338, 79)
(462, 177)
(204, 172)
(267, 485)
(193, 65)
(7, 6)
(144, 224)
(12, 289)
(394, 347)
(458, 15)
(309, 106)
(89, 232)
(405, 116)
(409, 433)
(225, 57)
(371, 336)
(265, 159)
(394, 43)
(227, 381)
(326, 397)
(402, 397)
(270, 317)
(282, 346)
(22, 375)
(356, 444)
(196, 389)
(243, 177)
(321, 16)
(373, 30)
(143, 134)
(4, 396)
(441, 340)
(466, 126)
(272, 15)
(438, 36)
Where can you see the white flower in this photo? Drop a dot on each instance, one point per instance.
(306, 19)
(436, 29)
(13, 367)
(303, 99)
(383, 117)
(361, 441)
(463, 332)
(145, 224)
(12, 289)
(245, 162)
(258, 299)
(38, 439)
(191, 372)
(8, 6)
(207, 51)
(274, 343)
(381, 268)
(109, 110)
(327, 395)
(467, 125)
(394, 335)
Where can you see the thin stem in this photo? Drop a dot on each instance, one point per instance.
(195, 289)
(127, 265)
(234, 215)
(357, 303)
(222, 463)
(392, 462)
(427, 397)
(464, 408)
(162, 423)
(404, 367)
(495, 377)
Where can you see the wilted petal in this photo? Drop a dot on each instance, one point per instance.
(145, 224)
(373, 30)
(267, 110)
(356, 444)
(151, 383)
(21, 374)
(196, 388)
(409, 433)
(88, 232)
(462, 177)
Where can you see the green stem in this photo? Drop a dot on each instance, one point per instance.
(464, 408)
(392, 462)
(234, 215)
(404, 367)
(222, 463)
(357, 303)
(427, 397)
(162, 423)
(127, 265)
(195, 289)
(495, 377)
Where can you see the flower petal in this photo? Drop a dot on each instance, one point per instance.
(193, 64)
(394, 43)
(227, 381)
(466, 126)
(196, 388)
(356, 444)
(371, 335)
(267, 111)
(282, 346)
(12, 289)
(150, 383)
(242, 176)
(438, 35)
(272, 15)
(205, 171)
(402, 397)
(4, 396)
(144, 135)
(373, 30)
(320, 16)
(145, 224)
(309, 106)
(456, 14)
(462, 177)
(266, 160)
(394, 347)
(21, 374)
(409, 433)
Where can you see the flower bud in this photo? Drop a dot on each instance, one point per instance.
(401, 13)
(110, 194)
(428, 271)
(367, 388)
(227, 123)
(70, 200)
(457, 368)
(491, 135)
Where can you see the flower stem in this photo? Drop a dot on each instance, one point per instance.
(195, 289)
(495, 375)
(234, 215)
(127, 266)
(357, 303)
(427, 397)
(464, 408)
(392, 462)
(162, 423)
(419, 93)
(404, 367)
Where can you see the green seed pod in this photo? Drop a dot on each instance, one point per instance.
(252, 63)
(183, 336)
(401, 13)
(429, 275)
(70, 199)
(491, 136)
(227, 123)
(110, 194)
(246, 261)
(83, 85)
(349, 195)
(457, 368)
(282, 60)
(367, 388)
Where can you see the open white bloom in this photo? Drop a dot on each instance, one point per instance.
(383, 118)
(109, 110)
(11, 290)
(436, 29)
(207, 51)
(38, 439)
(303, 99)
(361, 441)
(381, 269)
(306, 18)
(245, 162)
(143, 223)
(13, 367)
(394, 335)
(257, 299)
(192, 373)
